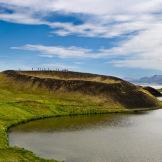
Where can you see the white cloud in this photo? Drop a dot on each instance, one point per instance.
(144, 51)
(140, 63)
(66, 52)
(102, 18)
(20, 18)
(97, 7)
(141, 51)
(63, 52)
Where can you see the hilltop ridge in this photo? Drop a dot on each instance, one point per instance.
(112, 90)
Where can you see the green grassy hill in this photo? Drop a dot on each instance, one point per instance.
(116, 93)
(29, 95)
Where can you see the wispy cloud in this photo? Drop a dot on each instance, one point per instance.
(102, 18)
(142, 51)
(135, 53)
(71, 52)
(62, 52)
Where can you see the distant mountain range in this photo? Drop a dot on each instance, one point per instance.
(155, 79)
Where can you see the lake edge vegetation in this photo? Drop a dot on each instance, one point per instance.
(31, 95)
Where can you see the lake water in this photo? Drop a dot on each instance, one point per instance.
(156, 86)
(100, 138)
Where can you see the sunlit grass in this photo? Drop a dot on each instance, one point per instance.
(21, 102)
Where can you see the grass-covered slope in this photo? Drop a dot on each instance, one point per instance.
(31, 95)
(111, 90)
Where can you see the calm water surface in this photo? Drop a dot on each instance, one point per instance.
(100, 138)
(156, 86)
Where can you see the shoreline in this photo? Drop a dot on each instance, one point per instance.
(6, 129)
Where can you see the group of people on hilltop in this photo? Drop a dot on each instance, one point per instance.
(48, 69)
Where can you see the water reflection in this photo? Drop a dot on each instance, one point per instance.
(100, 138)
(74, 123)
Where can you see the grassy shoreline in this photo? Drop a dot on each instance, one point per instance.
(6, 149)
(24, 101)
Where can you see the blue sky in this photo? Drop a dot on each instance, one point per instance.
(106, 37)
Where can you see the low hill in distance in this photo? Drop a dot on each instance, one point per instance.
(155, 79)
(108, 91)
